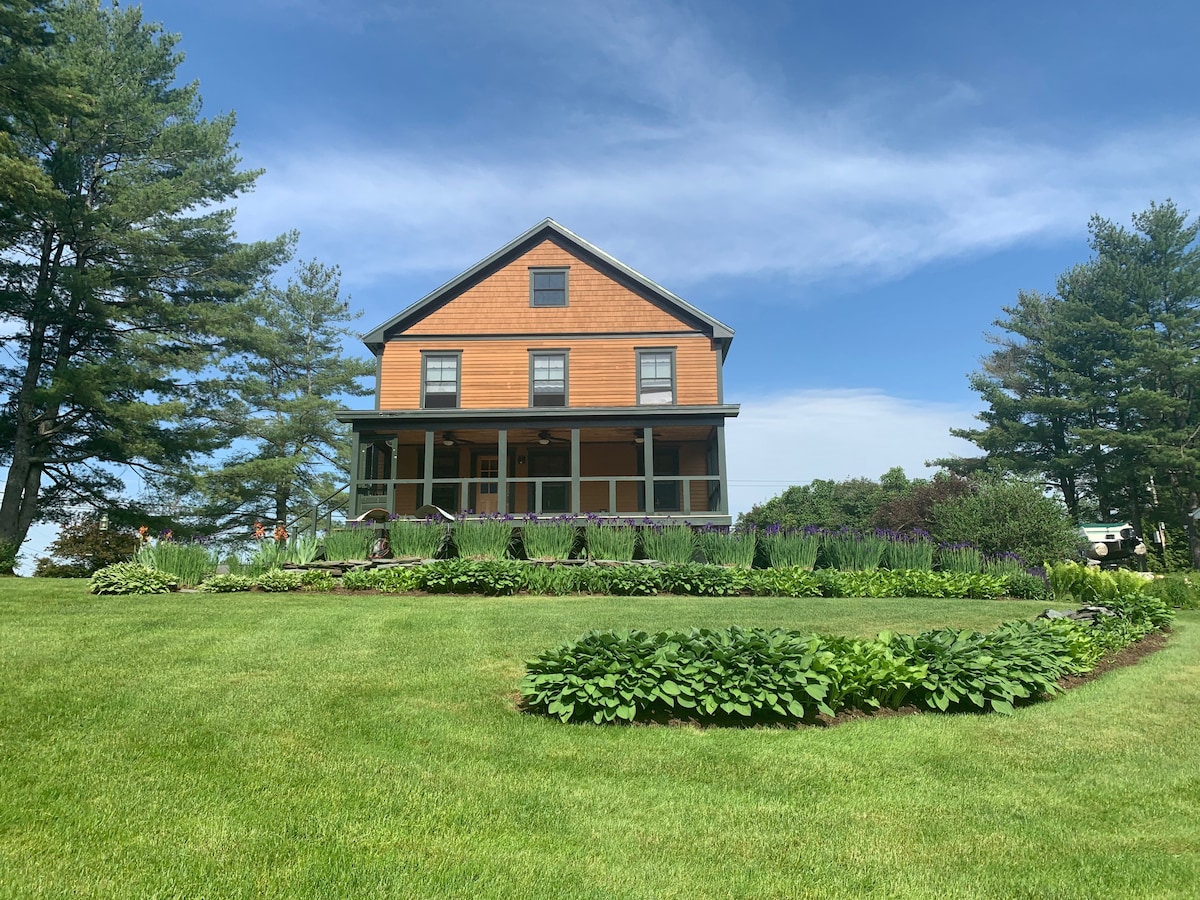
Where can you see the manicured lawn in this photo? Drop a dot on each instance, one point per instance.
(328, 746)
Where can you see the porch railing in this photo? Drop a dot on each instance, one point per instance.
(540, 495)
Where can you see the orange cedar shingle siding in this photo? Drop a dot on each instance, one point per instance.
(601, 371)
(500, 303)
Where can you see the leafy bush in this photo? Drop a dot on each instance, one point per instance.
(392, 580)
(415, 537)
(1027, 586)
(358, 580)
(10, 555)
(1182, 591)
(613, 542)
(278, 581)
(797, 581)
(317, 580)
(350, 543)
(669, 543)
(130, 578)
(48, 568)
(631, 581)
(698, 580)
(1008, 516)
(723, 547)
(1075, 583)
(493, 578)
(549, 538)
(86, 546)
(555, 581)
(225, 584)
(483, 538)
(793, 549)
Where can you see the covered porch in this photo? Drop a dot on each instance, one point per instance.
(627, 466)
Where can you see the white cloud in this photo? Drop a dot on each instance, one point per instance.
(697, 167)
(797, 437)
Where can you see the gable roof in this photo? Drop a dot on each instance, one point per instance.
(548, 229)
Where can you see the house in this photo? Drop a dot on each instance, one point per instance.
(548, 378)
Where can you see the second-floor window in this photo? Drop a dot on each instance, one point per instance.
(656, 377)
(547, 287)
(440, 380)
(548, 378)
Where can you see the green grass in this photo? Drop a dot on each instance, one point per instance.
(336, 746)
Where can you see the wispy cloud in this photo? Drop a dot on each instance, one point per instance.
(797, 437)
(697, 166)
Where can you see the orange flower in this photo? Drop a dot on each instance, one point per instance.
(144, 534)
(281, 534)
(259, 531)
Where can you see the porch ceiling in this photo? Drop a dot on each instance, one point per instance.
(518, 437)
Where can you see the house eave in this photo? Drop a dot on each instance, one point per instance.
(588, 415)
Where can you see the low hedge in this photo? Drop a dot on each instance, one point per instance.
(756, 675)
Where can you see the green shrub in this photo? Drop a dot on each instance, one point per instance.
(351, 543)
(416, 537)
(796, 581)
(723, 547)
(1179, 590)
(130, 578)
(317, 580)
(10, 555)
(48, 568)
(668, 543)
(549, 538)
(224, 584)
(613, 542)
(358, 580)
(278, 581)
(698, 580)
(1008, 516)
(632, 581)
(555, 581)
(1027, 586)
(493, 578)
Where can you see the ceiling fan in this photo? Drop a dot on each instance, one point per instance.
(449, 439)
(545, 437)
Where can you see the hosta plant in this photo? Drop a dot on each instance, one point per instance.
(226, 584)
(130, 578)
(278, 581)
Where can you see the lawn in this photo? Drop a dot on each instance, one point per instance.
(252, 745)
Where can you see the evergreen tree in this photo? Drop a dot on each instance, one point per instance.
(115, 254)
(283, 376)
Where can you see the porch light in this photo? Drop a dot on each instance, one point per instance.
(448, 439)
(639, 436)
(543, 438)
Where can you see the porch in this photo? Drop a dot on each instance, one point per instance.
(637, 468)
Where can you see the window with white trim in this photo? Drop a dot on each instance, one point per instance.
(656, 377)
(440, 380)
(548, 378)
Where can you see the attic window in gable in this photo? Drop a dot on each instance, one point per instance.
(548, 287)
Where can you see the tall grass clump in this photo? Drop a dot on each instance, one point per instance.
(483, 538)
(613, 541)
(188, 563)
(422, 538)
(959, 558)
(549, 538)
(911, 551)
(853, 551)
(1004, 564)
(723, 547)
(352, 542)
(668, 543)
(790, 549)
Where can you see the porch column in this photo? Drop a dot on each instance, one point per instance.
(722, 471)
(575, 505)
(428, 475)
(648, 464)
(355, 465)
(502, 471)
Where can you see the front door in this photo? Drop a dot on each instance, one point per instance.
(487, 492)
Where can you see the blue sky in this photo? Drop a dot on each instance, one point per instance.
(855, 188)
